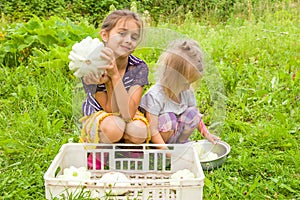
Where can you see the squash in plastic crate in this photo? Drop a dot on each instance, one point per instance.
(147, 168)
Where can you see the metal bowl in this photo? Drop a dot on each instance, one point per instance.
(222, 149)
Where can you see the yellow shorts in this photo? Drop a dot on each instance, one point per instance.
(90, 125)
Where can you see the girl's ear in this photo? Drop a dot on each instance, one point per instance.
(104, 35)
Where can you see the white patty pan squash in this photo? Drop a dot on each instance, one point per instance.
(85, 57)
(112, 180)
(75, 176)
(181, 175)
(203, 154)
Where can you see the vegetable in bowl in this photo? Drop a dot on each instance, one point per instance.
(211, 156)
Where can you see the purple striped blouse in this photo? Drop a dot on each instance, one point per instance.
(136, 74)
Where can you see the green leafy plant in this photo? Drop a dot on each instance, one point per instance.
(23, 40)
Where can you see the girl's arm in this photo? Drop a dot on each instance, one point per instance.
(205, 133)
(127, 102)
(105, 99)
(118, 99)
(155, 134)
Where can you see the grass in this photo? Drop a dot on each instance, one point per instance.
(257, 62)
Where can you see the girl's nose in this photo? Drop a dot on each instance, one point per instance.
(128, 38)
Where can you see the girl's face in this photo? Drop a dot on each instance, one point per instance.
(193, 75)
(123, 38)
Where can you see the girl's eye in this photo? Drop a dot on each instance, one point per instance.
(122, 33)
(134, 37)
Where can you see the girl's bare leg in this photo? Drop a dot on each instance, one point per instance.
(111, 129)
(166, 135)
(184, 136)
(136, 132)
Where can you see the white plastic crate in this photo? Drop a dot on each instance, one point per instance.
(149, 173)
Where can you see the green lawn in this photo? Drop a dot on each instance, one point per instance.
(252, 88)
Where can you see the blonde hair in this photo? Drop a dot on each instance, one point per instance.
(113, 18)
(182, 62)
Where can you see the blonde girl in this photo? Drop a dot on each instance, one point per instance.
(170, 104)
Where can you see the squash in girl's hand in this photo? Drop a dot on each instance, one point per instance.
(85, 57)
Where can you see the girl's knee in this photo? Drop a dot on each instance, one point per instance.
(111, 129)
(191, 111)
(167, 122)
(190, 118)
(136, 132)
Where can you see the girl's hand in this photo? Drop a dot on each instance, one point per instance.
(212, 138)
(205, 133)
(111, 68)
(91, 78)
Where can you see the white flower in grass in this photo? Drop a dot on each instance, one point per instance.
(112, 181)
(181, 175)
(85, 57)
